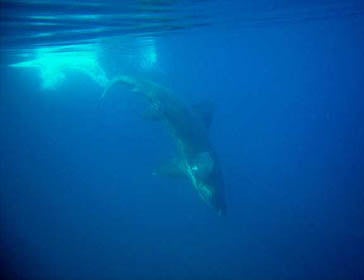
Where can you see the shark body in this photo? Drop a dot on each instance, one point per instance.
(196, 159)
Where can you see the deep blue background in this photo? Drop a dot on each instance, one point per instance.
(78, 200)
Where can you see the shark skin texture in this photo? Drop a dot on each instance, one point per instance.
(196, 159)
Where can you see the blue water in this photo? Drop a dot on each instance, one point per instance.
(77, 196)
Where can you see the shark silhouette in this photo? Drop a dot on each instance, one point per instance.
(196, 159)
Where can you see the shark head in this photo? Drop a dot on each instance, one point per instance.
(206, 176)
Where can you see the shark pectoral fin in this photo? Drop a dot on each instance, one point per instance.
(171, 169)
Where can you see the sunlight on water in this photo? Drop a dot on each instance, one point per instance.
(58, 37)
(54, 65)
(148, 55)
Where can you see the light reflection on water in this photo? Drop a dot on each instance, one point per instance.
(28, 25)
(47, 23)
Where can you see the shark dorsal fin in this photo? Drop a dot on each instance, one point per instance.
(205, 110)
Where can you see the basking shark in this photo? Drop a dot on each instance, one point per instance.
(196, 158)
